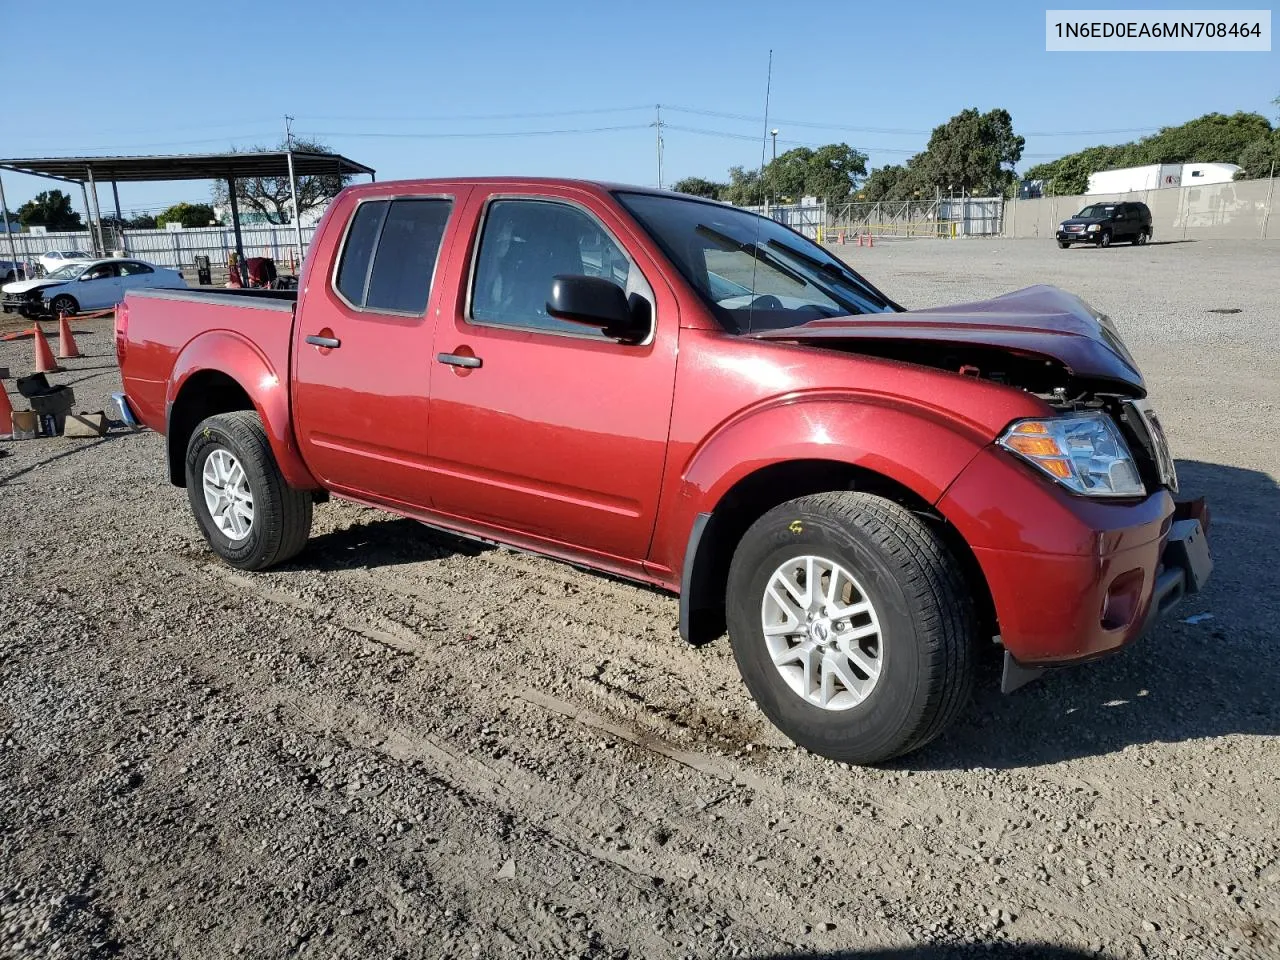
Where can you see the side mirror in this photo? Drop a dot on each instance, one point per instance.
(596, 302)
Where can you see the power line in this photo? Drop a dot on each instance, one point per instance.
(897, 131)
(725, 134)
(400, 135)
(449, 118)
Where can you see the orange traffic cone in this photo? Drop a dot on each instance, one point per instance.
(842, 238)
(871, 239)
(6, 415)
(67, 349)
(43, 356)
(859, 238)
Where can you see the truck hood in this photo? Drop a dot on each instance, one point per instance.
(22, 286)
(1037, 322)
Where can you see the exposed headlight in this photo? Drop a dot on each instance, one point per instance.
(1091, 228)
(1084, 453)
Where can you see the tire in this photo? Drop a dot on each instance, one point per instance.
(64, 303)
(1105, 239)
(281, 515)
(1141, 239)
(923, 611)
(1063, 244)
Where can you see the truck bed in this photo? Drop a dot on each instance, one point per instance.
(163, 336)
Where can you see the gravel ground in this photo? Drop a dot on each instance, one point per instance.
(406, 745)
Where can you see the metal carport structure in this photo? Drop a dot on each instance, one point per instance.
(89, 171)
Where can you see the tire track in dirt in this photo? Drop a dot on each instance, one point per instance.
(805, 809)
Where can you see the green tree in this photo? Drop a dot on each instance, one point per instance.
(973, 153)
(1260, 158)
(141, 221)
(698, 187)
(187, 214)
(744, 189)
(269, 196)
(50, 209)
(786, 178)
(1212, 138)
(835, 172)
(891, 182)
(1070, 174)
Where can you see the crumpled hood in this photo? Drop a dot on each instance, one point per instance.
(22, 286)
(1037, 321)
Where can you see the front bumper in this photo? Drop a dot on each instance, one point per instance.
(1080, 237)
(1072, 579)
(1185, 565)
(24, 303)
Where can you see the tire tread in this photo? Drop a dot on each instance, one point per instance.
(287, 530)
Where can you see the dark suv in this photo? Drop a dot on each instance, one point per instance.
(1103, 223)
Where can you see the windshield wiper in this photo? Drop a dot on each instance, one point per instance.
(831, 270)
(751, 250)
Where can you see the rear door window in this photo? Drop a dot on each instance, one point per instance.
(389, 257)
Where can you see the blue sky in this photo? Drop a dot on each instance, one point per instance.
(371, 78)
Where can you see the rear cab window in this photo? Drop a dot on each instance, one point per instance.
(389, 256)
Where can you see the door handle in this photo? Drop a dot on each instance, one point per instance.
(458, 360)
(318, 341)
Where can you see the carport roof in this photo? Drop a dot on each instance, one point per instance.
(191, 166)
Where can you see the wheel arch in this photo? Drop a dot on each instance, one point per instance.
(220, 372)
(69, 296)
(716, 533)
(908, 453)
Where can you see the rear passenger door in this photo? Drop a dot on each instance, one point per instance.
(362, 349)
(134, 275)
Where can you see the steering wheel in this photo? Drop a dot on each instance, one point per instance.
(767, 301)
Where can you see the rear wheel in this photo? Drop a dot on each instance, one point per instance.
(251, 517)
(1140, 239)
(851, 626)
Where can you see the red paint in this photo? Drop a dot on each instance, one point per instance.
(603, 453)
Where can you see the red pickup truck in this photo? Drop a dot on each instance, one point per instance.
(688, 395)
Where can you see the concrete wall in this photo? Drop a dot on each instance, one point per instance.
(1241, 210)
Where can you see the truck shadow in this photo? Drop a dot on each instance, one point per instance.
(995, 950)
(1184, 681)
(382, 543)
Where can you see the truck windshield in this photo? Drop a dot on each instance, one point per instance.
(1097, 211)
(752, 272)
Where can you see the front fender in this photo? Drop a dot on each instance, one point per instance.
(235, 356)
(920, 448)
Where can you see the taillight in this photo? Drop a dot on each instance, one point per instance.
(122, 331)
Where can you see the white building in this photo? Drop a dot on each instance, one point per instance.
(1159, 176)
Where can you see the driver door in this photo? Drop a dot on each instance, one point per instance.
(98, 287)
(540, 426)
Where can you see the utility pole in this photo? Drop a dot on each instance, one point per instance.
(774, 133)
(293, 187)
(8, 232)
(657, 128)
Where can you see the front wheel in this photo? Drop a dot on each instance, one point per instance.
(1063, 244)
(851, 626)
(1105, 239)
(251, 517)
(64, 303)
